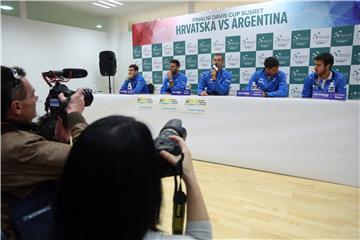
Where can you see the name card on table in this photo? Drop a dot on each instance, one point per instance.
(245, 93)
(328, 96)
(185, 92)
(128, 91)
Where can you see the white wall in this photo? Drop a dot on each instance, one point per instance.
(38, 47)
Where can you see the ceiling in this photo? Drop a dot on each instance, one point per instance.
(129, 7)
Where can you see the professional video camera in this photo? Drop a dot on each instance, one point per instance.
(162, 142)
(53, 106)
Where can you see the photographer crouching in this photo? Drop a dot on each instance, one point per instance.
(30, 161)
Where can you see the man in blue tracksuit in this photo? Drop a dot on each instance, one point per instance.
(216, 81)
(323, 76)
(175, 80)
(270, 80)
(136, 81)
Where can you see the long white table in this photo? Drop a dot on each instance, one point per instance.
(316, 139)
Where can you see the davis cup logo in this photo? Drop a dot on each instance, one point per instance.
(299, 58)
(340, 34)
(232, 44)
(205, 46)
(179, 47)
(218, 46)
(300, 40)
(191, 62)
(232, 61)
(168, 49)
(191, 48)
(283, 59)
(282, 41)
(320, 39)
(265, 43)
(314, 54)
(248, 44)
(247, 60)
(340, 56)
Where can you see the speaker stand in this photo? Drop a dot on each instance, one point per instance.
(109, 85)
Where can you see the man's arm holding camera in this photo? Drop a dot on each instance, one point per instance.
(42, 159)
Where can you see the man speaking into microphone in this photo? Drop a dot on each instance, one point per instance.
(216, 81)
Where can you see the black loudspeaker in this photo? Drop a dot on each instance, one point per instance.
(107, 63)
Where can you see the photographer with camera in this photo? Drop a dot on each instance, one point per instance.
(111, 185)
(28, 160)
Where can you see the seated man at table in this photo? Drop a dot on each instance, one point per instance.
(175, 80)
(216, 81)
(323, 77)
(270, 80)
(135, 81)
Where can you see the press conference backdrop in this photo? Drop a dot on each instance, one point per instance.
(293, 32)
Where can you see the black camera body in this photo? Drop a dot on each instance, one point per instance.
(53, 106)
(163, 142)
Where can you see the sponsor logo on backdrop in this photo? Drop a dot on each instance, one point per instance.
(205, 61)
(264, 43)
(283, 56)
(233, 44)
(179, 48)
(341, 56)
(191, 48)
(218, 46)
(246, 75)
(297, 74)
(248, 43)
(248, 59)
(299, 58)
(232, 61)
(182, 62)
(356, 55)
(300, 39)
(192, 76)
(342, 36)
(156, 50)
(157, 77)
(357, 36)
(295, 91)
(147, 76)
(320, 38)
(282, 41)
(355, 75)
(191, 61)
(157, 64)
(204, 45)
(168, 49)
(147, 64)
(137, 52)
(146, 51)
(261, 58)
